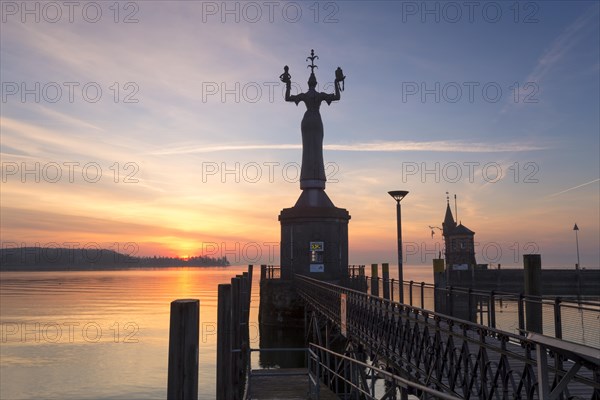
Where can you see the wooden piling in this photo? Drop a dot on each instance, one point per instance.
(250, 271)
(224, 343)
(244, 318)
(233, 340)
(532, 263)
(236, 340)
(374, 280)
(385, 272)
(182, 383)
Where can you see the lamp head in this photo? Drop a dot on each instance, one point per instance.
(398, 194)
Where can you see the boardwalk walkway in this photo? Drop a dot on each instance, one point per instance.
(287, 383)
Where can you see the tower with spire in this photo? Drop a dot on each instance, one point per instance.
(459, 242)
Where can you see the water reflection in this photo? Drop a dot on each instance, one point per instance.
(274, 337)
(100, 334)
(113, 340)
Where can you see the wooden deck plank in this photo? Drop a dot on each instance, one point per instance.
(284, 384)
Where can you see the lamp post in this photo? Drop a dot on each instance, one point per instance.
(399, 195)
(576, 229)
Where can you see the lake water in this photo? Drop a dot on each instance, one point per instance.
(104, 334)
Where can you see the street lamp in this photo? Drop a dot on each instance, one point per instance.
(398, 195)
(576, 229)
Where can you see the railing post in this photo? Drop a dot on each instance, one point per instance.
(479, 303)
(392, 289)
(362, 278)
(450, 304)
(318, 374)
(374, 280)
(557, 319)
(521, 313)
(263, 272)
(472, 316)
(410, 293)
(423, 295)
(182, 382)
(224, 342)
(385, 272)
(492, 310)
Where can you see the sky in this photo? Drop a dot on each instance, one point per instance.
(160, 128)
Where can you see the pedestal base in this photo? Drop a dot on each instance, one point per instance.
(301, 226)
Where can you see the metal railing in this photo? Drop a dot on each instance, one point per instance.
(349, 378)
(449, 354)
(268, 272)
(563, 318)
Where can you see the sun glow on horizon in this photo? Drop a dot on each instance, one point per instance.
(181, 172)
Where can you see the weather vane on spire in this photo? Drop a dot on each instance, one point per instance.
(312, 58)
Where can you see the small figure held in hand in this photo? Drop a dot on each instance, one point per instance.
(285, 77)
(339, 77)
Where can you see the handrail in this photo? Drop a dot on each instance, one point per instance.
(497, 293)
(414, 309)
(427, 342)
(400, 381)
(488, 307)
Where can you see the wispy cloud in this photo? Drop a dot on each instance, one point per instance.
(378, 146)
(567, 39)
(573, 188)
(69, 119)
(435, 146)
(557, 52)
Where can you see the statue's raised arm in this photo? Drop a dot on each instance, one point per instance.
(312, 96)
(339, 79)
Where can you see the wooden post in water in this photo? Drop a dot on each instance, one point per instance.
(263, 272)
(440, 295)
(245, 313)
(250, 271)
(224, 343)
(182, 383)
(374, 280)
(236, 339)
(245, 295)
(385, 272)
(532, 264)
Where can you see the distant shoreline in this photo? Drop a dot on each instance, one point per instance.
(76, 259)
(11, 268)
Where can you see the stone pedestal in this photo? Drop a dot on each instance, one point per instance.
(313, 220)
(302, 225)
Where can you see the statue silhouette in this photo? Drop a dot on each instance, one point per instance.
(312, 174)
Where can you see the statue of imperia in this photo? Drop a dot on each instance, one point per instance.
(313, 170)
